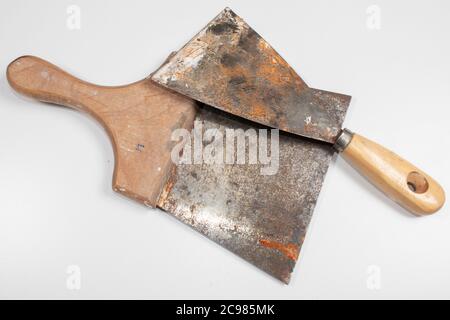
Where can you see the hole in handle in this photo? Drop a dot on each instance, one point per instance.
(416, 182)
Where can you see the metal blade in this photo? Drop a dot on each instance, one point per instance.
(229, 66)
(261, 218)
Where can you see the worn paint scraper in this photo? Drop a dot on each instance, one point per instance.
(262, 218)
(229, 66)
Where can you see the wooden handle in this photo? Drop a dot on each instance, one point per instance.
(139, 119)
(398, 179)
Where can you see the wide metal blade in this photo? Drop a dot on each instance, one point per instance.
(261, 218)
(229, 66)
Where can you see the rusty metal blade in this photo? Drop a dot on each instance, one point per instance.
(261, 218)
(229, 66)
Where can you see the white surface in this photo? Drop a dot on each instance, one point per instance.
(56, 204)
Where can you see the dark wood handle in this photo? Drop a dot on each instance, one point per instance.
(139, 119)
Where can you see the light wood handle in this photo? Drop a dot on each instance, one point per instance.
(401, 181)
(139, 119)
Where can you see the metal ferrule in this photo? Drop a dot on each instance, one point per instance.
(343, 140)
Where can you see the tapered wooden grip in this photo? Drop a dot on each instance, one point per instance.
(139, 119)
(400, 180)
(41, 80)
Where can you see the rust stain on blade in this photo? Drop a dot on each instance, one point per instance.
(290, 250)
(229, 66)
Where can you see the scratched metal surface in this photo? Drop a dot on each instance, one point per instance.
(262, 218)
(229, 66)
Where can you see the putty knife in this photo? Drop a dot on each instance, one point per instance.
(229, 66)
(261, 218)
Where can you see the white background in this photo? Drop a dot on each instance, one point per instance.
(56, 204)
